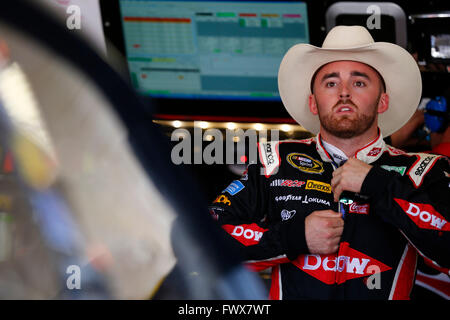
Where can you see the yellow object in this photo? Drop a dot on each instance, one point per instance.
(34, 165)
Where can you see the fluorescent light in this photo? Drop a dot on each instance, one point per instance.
(176, 123)
(203, 124)
(258, 126)
(231, 125)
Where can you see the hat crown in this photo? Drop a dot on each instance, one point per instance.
(347, 37)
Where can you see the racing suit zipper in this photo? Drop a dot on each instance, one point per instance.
(342, 207)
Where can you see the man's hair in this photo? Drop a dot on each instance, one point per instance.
(383, 84)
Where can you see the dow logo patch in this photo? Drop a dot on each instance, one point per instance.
(247, 234)
(424, 215)
(305, 163)
(332, 268)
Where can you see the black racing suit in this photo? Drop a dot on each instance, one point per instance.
(403, 210)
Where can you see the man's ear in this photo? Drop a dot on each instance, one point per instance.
(312, 104)
(383, 103)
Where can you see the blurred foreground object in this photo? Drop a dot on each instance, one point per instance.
(113, 204)
(90, 193)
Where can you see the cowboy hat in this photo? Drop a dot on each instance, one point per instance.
(397, 67)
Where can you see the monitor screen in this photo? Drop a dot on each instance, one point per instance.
(210, 49)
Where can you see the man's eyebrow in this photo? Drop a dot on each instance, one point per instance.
(360, 74)
(330, 75)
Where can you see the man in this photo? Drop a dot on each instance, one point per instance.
(342, 215)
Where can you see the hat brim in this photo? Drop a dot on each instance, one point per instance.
(397, 67)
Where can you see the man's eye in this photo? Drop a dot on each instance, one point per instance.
(330, 84)
(360, 84)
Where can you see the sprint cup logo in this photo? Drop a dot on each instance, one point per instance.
(318, 185)
(305, 163)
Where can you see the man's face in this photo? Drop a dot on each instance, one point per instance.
(347, 96)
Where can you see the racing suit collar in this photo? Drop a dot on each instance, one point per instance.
(335, 154)
(369, 153)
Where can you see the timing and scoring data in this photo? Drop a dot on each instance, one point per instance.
(210, 49)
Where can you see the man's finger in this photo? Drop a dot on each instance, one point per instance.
(336, 232)
(335, 182)
(336, 237)
(337, 190)
(337, 222)
(327, 213)
(337, 171)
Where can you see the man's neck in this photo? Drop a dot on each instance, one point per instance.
(351, 145)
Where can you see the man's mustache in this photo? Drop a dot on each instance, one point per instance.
(345, 101)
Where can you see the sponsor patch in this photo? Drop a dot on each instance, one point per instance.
(333, 268)
(374, 152)
(223, 199)
(247, 234)
(288, 197)
(421, 167)
(358, 208)
(286, 214)
(234, 187)
(424, 215)
(307, 200)
(400, 170)
(305, 163)
(286, 183)
(269, 158)
(318, 185)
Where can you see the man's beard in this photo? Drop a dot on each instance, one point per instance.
(348, 126)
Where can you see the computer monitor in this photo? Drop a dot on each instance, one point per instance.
(210, 49)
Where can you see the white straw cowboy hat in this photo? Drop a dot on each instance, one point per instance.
(397, 67)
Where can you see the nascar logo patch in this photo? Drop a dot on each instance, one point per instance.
(305, 163)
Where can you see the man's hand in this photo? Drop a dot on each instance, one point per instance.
(349, 177)
(323, 230)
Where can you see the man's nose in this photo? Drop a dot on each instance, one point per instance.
(345, 93)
